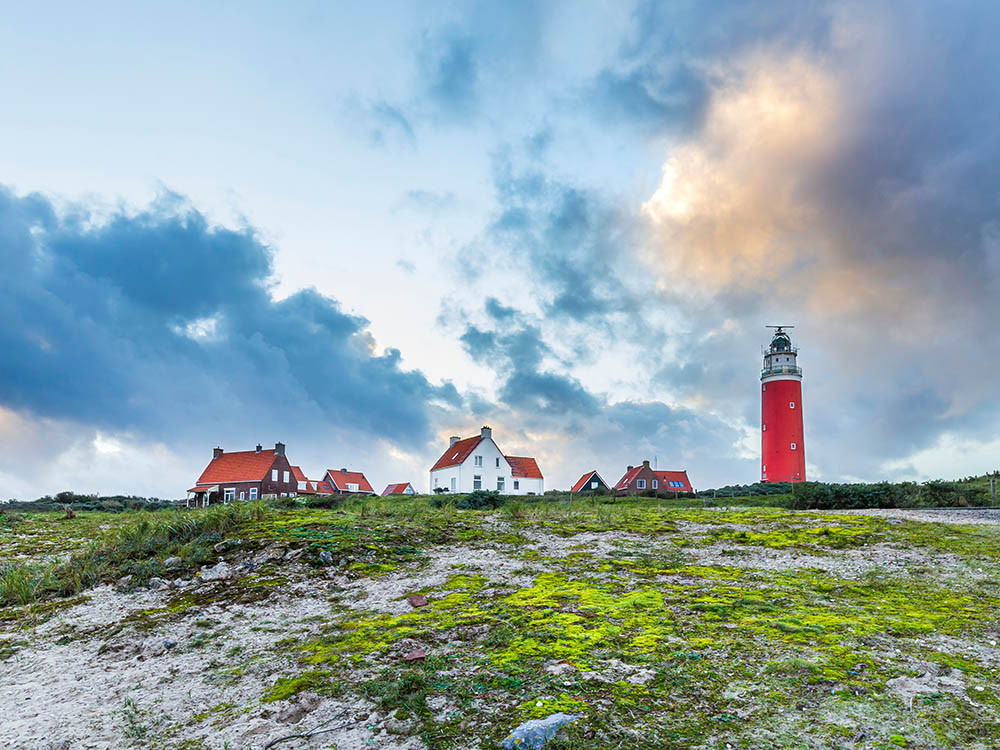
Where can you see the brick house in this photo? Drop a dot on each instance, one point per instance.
(244, 475)
(308, 486)
(344, 482)
(644, 479)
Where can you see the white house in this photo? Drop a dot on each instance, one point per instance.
(478, 463)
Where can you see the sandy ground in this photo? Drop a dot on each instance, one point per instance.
(88, 679)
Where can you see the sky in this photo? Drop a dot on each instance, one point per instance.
(360, 230)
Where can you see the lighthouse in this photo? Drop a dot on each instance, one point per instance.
(782, 450)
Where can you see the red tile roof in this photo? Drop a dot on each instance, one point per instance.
(342, 478)
(299, 474)
(395, 489)
(240, 466)
(626, 480)
(674, 476)
(323, 488)
(582, 481)
(203, 487)
(524, 466)
(457, 453)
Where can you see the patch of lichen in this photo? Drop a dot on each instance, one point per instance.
(315, 680)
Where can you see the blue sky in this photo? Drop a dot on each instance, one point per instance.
(361, 230)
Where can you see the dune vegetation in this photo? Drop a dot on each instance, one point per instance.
(660, 623)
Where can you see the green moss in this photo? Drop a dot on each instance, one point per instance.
(316, 680)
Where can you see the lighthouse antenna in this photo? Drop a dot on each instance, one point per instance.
(779, 327)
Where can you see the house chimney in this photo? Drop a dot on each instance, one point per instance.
(259, 447)
(279, 449)
(343, 471)
(487, 432)
(645, 464)
(630, 468)
(216, 453)
(452, 440)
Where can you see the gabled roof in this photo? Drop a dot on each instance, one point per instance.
(674, 476)
(585, 479)
(240, 466)
(323, 488)
(457, 453)
(524, 466)
(299, 474)
(395, 489)
(341, 479)
(626, 480)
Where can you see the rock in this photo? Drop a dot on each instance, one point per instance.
(124, 583)
(559, 668)
(294, 554)
(168, 644)
(416, 655)
(535, 733)
(326, 557)
(181, 583)
(173, 562)
(219, 572)
(155, 584)
(225, 546)
(641, 676)
(417, 600)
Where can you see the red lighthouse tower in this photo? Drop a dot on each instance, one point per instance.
(783, 453)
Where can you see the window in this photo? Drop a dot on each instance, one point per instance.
(641, 484)
(791, 404)
(435, 481)
(274, 475)
(453, 484)
(763, 428)
(593, 485)
(302, 485)
(229, 494)
(243, 495)
(517, 484)
(656, 484)
(763, 386)
(286, 477)
(676, 483)
(793, 446)
(498, 463)
(352, 487)
(763, 468)
(479, 460)
(477, 481)
(500, 484)
(253, 493)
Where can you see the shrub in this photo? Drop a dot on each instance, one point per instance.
(475, 500)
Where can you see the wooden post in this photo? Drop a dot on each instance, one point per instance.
(993, 489)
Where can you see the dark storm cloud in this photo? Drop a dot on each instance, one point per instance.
(160, 323)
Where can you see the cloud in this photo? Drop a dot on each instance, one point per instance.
(158, 323)
(450, 73)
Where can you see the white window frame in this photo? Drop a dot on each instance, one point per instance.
(656, 484)
(478, 461)
(453, 480)
(285, 475)
(793, 446)
(353, 486)
(253, 493)
(791, 404)
(274, 475)
(594, 484)
(763, 428)
(243, 495)
(517, 484)
(302, 485)
(640, 484)
(477, 481)
(501, 485)
(228, 493)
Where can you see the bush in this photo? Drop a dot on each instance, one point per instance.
(475, 500)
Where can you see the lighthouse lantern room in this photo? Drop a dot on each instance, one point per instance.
(783, 454)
